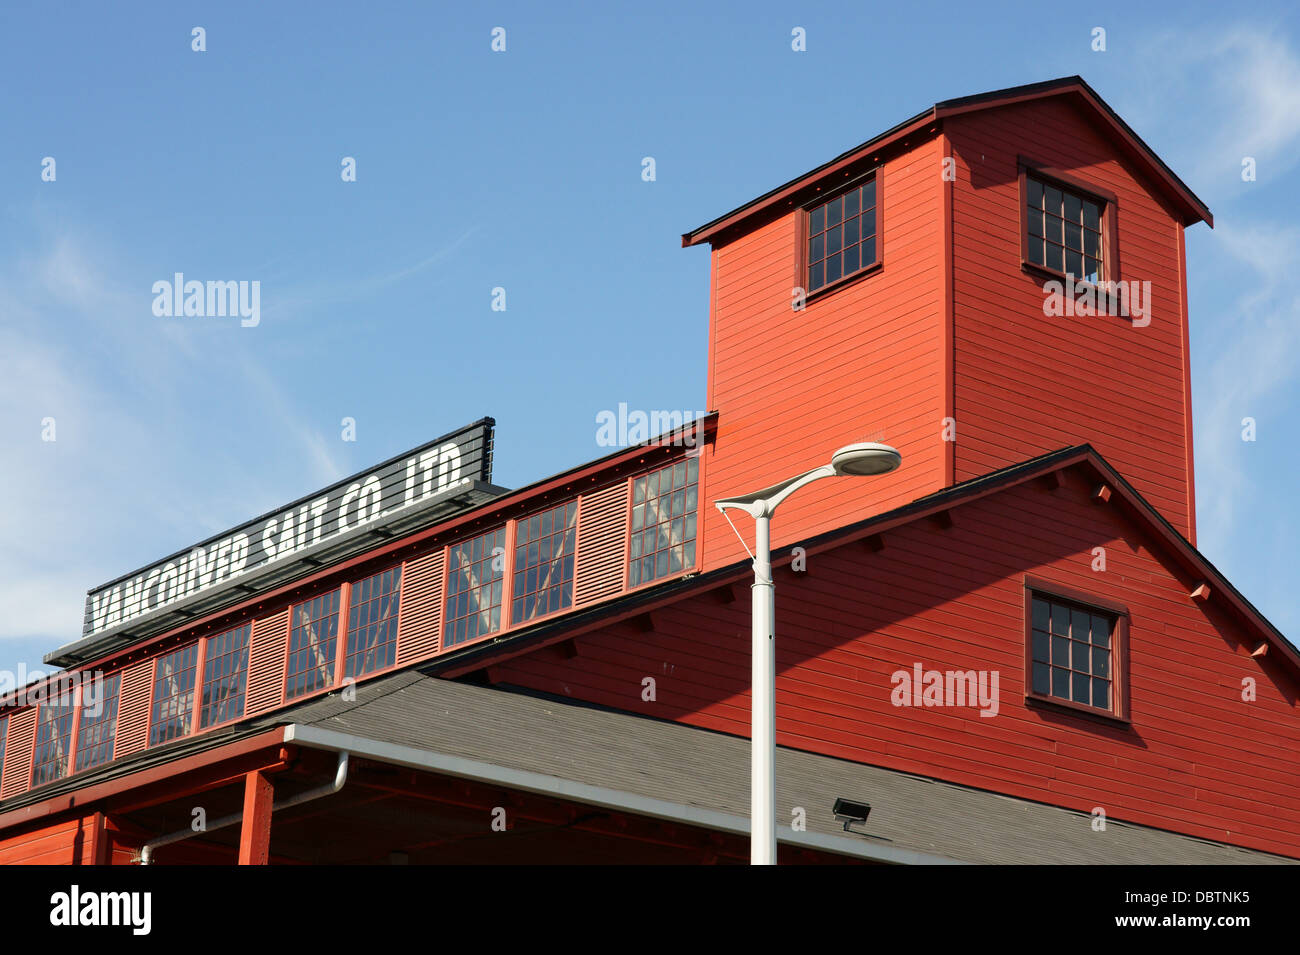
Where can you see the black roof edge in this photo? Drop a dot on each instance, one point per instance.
(521, 640)
(1047, 85)
(146, 758)
(1218, 575)
(465, 659)
(1010, 474)
(660, 440)
(298, 501)
(1027, 89)
(812, 172)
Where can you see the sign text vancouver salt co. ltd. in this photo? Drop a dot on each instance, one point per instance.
(361, 502)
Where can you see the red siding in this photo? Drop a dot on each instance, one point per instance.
(1196, 760)
(863, 361)
(71, 842)
(1026, 383)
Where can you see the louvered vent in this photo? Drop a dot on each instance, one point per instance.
(133, 709)
(602, 540)
(18, 753)
(266, 663)
(420, 626)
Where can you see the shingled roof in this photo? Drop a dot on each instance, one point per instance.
(698, 777)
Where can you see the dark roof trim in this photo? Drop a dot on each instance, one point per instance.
(509, 504)
(1192, 560)
(886, 139)
(639, 602)
(140, 769)
(1192, 208)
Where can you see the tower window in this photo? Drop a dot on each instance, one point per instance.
(842, 235)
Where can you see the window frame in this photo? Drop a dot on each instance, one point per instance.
(628, 533)
(339, 612)
(346, 631)
(179, 648)
(802, 238)
(504, 623)
(79, 725)
(1110, 260)
(1119, 658)
(523, 619)
(64, 765)
(202, 681)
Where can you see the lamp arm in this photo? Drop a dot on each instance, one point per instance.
(763, 503)
(803, 480)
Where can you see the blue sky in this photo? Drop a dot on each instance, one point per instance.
(522, 170)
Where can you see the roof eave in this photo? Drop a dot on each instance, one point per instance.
(1192, 209)
(629, 606)
(886, 139)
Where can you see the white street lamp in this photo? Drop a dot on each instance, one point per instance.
(857, 460)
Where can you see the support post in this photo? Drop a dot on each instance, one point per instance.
(255, 829)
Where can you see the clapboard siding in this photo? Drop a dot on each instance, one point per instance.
(864, 361)
(69, 842)
(1198, 760)
(1025, 383)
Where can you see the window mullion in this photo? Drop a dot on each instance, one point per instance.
(341, 648)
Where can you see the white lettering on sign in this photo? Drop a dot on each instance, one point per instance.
(335, 513)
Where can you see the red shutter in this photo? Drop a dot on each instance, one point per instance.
(419, 627)
(18, 753)
(266, 655)
(602, 543)
(133, 709)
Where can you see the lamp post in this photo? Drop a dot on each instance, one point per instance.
(859, 460)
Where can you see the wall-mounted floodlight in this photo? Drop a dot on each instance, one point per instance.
(848, 812)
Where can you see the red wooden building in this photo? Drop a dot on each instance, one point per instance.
(1009, 648)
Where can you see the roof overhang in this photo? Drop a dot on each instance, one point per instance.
(267, 578)
(1190, 208)
(1192, 562)
(314, 737)
(465, 507)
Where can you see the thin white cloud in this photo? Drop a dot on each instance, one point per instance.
(293, 301)
(126, 412)
(1256, 353)
(1220, 95)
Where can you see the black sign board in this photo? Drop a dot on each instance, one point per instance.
(386, 496)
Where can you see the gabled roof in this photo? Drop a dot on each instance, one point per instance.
(503, 721)
(636, 764)
(1192, 209)
(1194, 564)
(656, 768)
(645, 766)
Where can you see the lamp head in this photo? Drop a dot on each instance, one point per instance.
(865, 458)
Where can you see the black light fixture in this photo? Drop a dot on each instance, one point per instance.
(848, 812)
